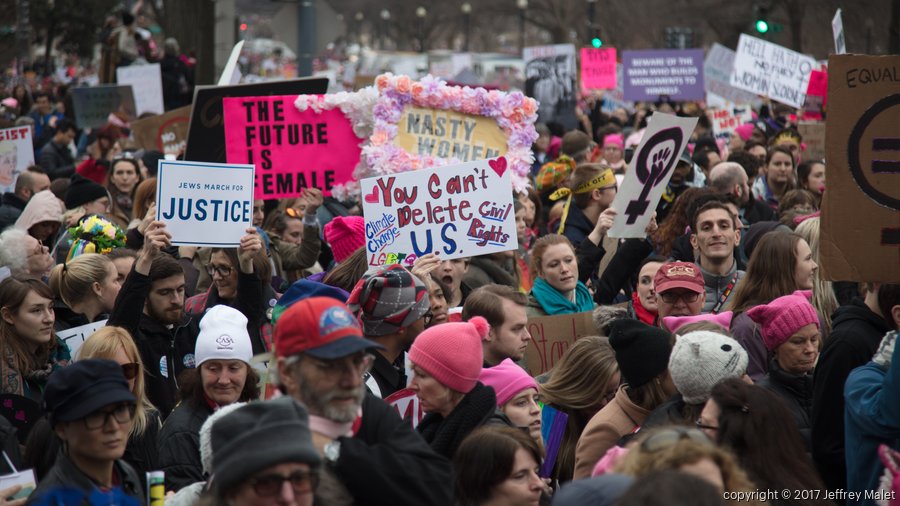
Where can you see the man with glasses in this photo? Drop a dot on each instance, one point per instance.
(91, 409)
(393, 306)
(679, 290)
(368, 450)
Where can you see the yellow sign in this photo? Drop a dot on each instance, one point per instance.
(449, 134)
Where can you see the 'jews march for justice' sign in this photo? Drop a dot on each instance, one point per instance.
(205, 204)
(455, 210)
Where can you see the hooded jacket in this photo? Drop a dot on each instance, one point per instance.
(856, 333)
(43, 206)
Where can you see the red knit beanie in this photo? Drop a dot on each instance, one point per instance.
(345, 234)
(783, 317)
(451, 353)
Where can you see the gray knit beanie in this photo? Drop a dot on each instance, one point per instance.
(257, 436)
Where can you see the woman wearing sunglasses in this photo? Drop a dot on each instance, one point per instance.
(116, 344)
(255, 464)
(91, 410)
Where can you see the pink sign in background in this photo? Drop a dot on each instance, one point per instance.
(598, 68)
(818, 83)
(291, 149)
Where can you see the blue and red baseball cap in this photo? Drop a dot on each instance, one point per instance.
(322, 327)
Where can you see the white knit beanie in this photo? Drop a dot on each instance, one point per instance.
(223, 336)
(701, 359)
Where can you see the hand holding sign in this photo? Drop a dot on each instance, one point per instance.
(156, 238)
(311, 199)
(425, 265)
(251, 244)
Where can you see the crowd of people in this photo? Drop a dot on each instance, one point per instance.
(724, 365)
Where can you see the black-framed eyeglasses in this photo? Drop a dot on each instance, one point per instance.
(303, 482)
(223, 270)
(123, 413)
(702, 426)
(427, 317)
(130, 370)
(668, 437)
(672, 297)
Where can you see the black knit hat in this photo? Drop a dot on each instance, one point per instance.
(257, 436)
(642, 351)
(82, 190)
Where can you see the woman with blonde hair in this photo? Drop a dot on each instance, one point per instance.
(116, 344)
(823, 298)
(687, 450)
(583, 382)
(88, 286)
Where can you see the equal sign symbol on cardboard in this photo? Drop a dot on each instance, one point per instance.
(886, 166)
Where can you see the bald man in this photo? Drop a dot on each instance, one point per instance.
(28, 183)
(729, 178)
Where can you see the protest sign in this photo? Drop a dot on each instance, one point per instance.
(75, 336)
(649, 172)
(24, 478)
(550, 74)
(407, 404)
(725, 119)
(551, 337)
(457, 210)
(291, 149)
(768, 69)
(165, 133)
(206, 131)
(837, 29)
(94, 104)
(717, 77)
(598, 68)
(205, 204)
(449, 134)
(231, 74)
(16, 155)
(813, 134)
(146, 82)
(429, 122)
(860, 239)
(676, 73)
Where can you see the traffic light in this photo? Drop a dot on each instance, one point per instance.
(762, 19)
(596, 42)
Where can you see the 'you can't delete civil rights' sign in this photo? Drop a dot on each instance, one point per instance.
(455, 210)
(205, 204)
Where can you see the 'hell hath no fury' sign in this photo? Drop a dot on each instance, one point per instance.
(456, 210)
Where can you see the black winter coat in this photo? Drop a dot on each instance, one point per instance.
(10, 210)
(477, 408)
(855, 335)
(64, 475)
(796, 390)
(165, 352)
(387, 463)
(179, 444)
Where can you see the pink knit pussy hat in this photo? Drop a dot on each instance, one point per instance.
(783, 317)
(451, 352)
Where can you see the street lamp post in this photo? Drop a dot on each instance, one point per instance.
(592, 11)
(467, 20)
(522, 5)
(421, 12)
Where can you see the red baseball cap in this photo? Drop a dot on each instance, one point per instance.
(322, 327)
(679, 275)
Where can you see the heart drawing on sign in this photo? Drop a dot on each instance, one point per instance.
(499, 165)
(372, 198)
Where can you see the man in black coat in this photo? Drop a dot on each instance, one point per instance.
(371, 456)
(13, 203)
(857, 330)
(56, 159)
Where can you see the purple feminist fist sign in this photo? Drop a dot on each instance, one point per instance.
(659, 156)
